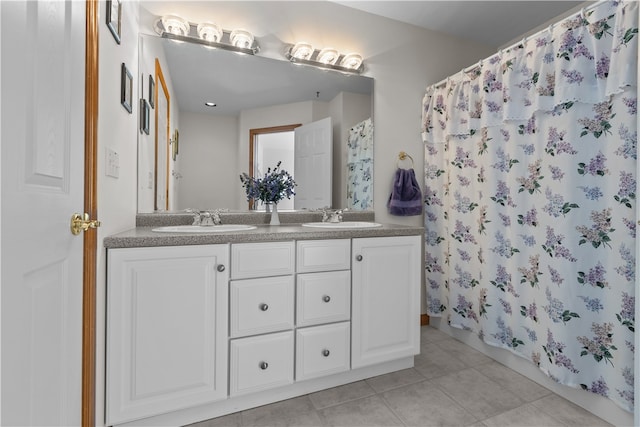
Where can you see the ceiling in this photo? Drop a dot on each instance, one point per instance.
(494, 23)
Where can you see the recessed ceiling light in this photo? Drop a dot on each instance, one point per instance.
(210, 104)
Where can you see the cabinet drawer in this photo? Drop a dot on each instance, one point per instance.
(322, 350)
(323, 297)
(323, 255)
(262, 362)
(261, 305)
(262, 259)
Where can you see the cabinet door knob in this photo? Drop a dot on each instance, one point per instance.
(326, 352)
(264, 307)
(326, 298)
(263, 365)
(358, 257)
(221, 268)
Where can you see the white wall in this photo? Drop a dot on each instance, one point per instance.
(208, 150)
(118, 130)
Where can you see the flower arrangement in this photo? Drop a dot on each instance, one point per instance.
(273, 187)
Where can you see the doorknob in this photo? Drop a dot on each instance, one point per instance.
(81, 222)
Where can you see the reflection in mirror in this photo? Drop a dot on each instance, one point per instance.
(250, 92)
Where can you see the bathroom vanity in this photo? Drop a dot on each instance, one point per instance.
(199, 326)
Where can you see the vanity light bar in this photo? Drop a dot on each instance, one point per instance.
(209, 34)
(328, 58)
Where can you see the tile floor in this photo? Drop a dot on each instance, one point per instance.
(451, 384)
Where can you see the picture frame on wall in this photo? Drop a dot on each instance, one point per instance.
(114, 18)
(175, 145)
(126, 88)
(144, 116)
(152, 92)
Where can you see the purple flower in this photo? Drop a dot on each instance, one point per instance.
(628, 269)
(556, 143)
(591, 193)
(596, 277)
(572, 76)
(506, 306)
(628, 149)
(556, 173)
(632, 105)
(595, 167)
(273, 187)
(601, 345)
(598, 387)
(503, 247)
(592, 304)
(602, 67)
(556, 277)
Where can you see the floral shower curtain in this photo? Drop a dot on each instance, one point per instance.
(359, 166)
(530, 207)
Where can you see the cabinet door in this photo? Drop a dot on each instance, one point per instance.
(166, 329)
(386, 299)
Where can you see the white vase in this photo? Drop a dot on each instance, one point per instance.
(267, 207)
(275, 219)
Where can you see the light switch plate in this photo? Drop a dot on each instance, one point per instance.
(113, 163)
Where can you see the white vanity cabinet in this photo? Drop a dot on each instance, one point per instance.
(166, 329)
(196, 332)
(386, 277)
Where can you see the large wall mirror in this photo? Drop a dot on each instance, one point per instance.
(208, 147)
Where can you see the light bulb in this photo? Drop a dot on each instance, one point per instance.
(351, 61)
(210, 32)
(175, 25)
(328, 56)
(241, 38)
(302, 51)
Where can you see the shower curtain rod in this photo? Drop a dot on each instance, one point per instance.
(550, 27)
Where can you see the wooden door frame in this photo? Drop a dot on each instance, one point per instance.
(160, 82)
(90, 237)
(254, 133)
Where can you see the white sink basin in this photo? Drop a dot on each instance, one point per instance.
(204, 228)
(342, 225)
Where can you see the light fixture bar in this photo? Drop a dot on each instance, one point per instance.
(192, 37)
(313, 60)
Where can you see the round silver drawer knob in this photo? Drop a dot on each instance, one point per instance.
(326, 352)
(264, 307)
(221, 268)
(326, 298)
(264, 365)
(358, 257)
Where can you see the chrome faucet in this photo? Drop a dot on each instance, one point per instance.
(206, 218)
(329, 215)
(197, 218)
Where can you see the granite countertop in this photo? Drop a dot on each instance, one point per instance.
(290, 229)
(145, 237)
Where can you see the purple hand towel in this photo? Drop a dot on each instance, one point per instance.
(406, 197)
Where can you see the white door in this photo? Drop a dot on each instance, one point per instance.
(42, 150)
(313, 164)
